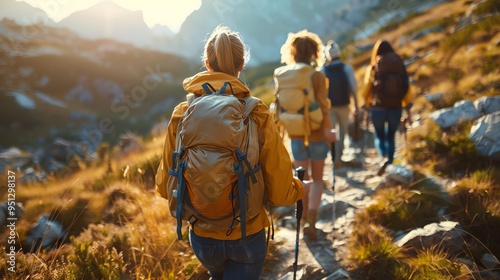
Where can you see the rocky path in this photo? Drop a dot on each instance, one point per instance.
(321, 259)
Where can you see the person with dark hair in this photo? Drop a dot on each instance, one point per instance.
(386, 93)
(342, 87)
(303, 53)
(230, 252)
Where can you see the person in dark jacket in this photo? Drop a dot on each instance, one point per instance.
(342, 87)
(385, 120)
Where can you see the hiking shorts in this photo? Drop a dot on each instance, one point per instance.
(315, 151)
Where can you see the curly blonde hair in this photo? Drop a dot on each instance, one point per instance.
(302, 46)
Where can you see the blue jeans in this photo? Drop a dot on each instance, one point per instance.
(386, 123)
(231, 259)
(315, 151)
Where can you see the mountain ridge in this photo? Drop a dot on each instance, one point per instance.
(263, 25)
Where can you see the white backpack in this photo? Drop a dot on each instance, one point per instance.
(295, 106)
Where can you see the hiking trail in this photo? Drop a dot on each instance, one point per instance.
(355, 183)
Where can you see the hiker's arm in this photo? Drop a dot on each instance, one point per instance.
(319, 81)
(320, 86)
(366, 94)
(353, 85)
(169, 146)
(408, 102)
(281, 187)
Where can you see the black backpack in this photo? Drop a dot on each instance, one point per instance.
(338, 90)
(391, 81)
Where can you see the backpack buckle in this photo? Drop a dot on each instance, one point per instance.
(192, 220)
(239, 154)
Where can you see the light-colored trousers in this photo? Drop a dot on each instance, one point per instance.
(340, 120)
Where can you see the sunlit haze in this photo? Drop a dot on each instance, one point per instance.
(171, 13)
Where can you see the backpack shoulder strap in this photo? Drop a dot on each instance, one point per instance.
(250, 104)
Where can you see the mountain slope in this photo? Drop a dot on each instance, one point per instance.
(52, 74)
(23, 13)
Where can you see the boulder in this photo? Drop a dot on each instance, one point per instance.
(63, 150)
(486, 135)
(15, 158)
(397, 174)
(462, 111)
(487, 104)
(30, 176)
(434, 97)
(446, 234)
(489, 261)
(129, 143)
(45, 234)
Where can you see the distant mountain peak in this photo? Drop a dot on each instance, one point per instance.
(23, 13)
(107, 10)
(107, 19)
(162, 30)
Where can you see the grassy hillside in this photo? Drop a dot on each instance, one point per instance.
(116, 81)
(118, 228)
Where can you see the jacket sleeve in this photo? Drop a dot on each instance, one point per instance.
(366, 94)
(320, 86)
(162, 175)
(353, 85)
(407, 101)
(282, 188)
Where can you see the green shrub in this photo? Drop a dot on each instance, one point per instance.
(451, 153)
(465, 35)
(476, 205)
(143, 174)
(435, 264)
(122, 206)
(99, 185)
(455, 74)
(437, 24)
(372, 254)
(491, 63)
(402, 209)
(396, 23)
(75, 215)
(487, 7)
(95, 260)
(102, 153)
(458, 39)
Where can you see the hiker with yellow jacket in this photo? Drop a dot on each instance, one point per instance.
(225, 254)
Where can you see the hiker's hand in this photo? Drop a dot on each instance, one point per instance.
(330, 135)
(409, 120)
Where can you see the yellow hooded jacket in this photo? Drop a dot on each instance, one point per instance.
(280, 185)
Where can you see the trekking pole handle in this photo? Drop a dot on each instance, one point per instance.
(300, 172)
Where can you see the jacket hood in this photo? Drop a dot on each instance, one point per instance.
(216, 79)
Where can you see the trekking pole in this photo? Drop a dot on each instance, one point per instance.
(405, 131)
(300, 172)
(332, 151)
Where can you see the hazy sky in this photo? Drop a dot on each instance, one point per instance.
(166, 12)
